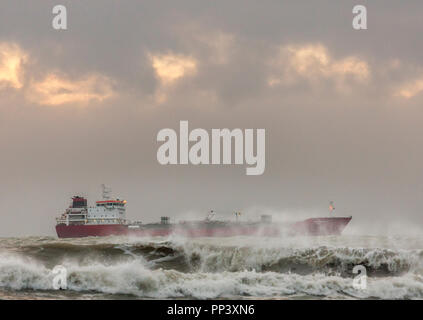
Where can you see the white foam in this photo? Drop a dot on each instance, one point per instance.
(135, 278)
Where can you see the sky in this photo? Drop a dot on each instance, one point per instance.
(342, 108)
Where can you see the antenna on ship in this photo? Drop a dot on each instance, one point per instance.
(237, 214)
(106, 192)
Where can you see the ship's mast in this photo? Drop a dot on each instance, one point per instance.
(237, 214)
(106, 192)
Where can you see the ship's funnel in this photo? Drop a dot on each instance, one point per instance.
(79, 202)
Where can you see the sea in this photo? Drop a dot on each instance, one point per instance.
(390, 267)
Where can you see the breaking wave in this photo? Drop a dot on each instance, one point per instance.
(170, 268)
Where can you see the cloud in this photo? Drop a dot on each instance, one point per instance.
(57, 89)
(313, 62)
(220, 45)
(171, 67)
(410, 89)
(214, 46)
(12, 59)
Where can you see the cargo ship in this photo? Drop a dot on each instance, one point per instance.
(108, 217)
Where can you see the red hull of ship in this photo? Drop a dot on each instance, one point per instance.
(313, 226)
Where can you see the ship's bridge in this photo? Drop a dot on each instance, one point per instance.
(107, 212)
(111, 203)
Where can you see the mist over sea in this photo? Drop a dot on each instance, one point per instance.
(222, 268)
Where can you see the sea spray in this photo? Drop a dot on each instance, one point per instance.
(240, 267)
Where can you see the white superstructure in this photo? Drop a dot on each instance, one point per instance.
(107, 211)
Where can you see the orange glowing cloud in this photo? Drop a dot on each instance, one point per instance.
(12, 59)
(410, 89)
(57, 89)
(313, 63)
(171, 67)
